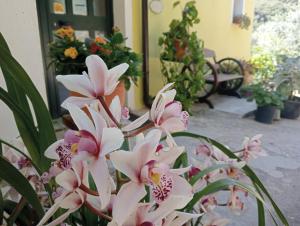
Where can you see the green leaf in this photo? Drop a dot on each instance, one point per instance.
(12, 176)
(218, 186)
(16, 74)
(248, 171)
(1, 208)
(207, 170)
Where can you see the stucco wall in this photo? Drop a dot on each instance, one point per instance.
(216, 29)
(19, 25)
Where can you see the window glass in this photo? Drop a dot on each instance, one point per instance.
(82, 35)
(100, 33)
(238, 8)
(99, 7)
(58, 6)
(79, 7)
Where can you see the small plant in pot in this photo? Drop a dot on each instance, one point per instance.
(267, 101)
(289, 83)
(182, 57)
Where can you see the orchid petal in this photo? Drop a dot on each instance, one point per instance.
(62, 217)
(81, 119)
(154, 104)
(68, 180)
(180, 171)
(126, 201)
(173, 125)
(98, 73)
(112, 139)
(101, 176)
(127, 163)
(78, 101)
(51, 150)
(136, 123)
(72, 201)
(168, 155)
(180, 218)
(115, 108)
(114, 74)
(77, 83)
(51, 211)
(99, 123)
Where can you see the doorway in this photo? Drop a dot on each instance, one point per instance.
(89, 18)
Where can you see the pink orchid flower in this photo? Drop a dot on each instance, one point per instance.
(92, 143)
(98, 82)
(252, 148)
(166, 113)
(72, 197)
(145, 166)
(234, 203)
(144, 215)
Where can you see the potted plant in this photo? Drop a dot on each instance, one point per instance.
(114, 51)
(289, 83)
(67, 53)
(267, 101)
(182, 57)
(243, 21)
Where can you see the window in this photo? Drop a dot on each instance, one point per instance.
(238, 8)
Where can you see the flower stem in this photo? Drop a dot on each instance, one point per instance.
(106, 108)
(97, 212)
(90, 191)
(140, 130)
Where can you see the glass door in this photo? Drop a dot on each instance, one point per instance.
(89, 19)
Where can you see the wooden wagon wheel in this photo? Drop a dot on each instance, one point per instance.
(210, 77)
(230, 66)
(211, 81)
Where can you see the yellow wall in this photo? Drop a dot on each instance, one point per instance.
(216, 29)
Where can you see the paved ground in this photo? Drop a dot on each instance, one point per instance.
(280, 171)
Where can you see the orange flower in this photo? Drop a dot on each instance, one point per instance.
(58, 7)
(100, 40)
(71, 52)
(65, 31)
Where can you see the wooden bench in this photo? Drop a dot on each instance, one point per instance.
(225, 76)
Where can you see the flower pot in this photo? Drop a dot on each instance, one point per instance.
(291, 109)
(119, 91)
(265, 114)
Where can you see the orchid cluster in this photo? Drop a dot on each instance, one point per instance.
(133, 173)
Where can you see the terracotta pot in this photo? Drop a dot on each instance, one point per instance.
(119, 91)
(180, 49)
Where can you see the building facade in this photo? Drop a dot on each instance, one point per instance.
(21, 23)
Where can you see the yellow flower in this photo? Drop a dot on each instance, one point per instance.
(71, 52)
(65, 31)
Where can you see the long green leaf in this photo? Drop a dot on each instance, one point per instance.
(31, 136)
(46, 133)
(207, 170)
(1, 208)
(249, 172)
(218, 186)
(12, 176)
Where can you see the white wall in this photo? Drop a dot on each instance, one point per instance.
(19, 25)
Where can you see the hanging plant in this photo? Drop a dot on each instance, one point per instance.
(243, 21)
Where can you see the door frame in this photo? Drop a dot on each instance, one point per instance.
(45, 34)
